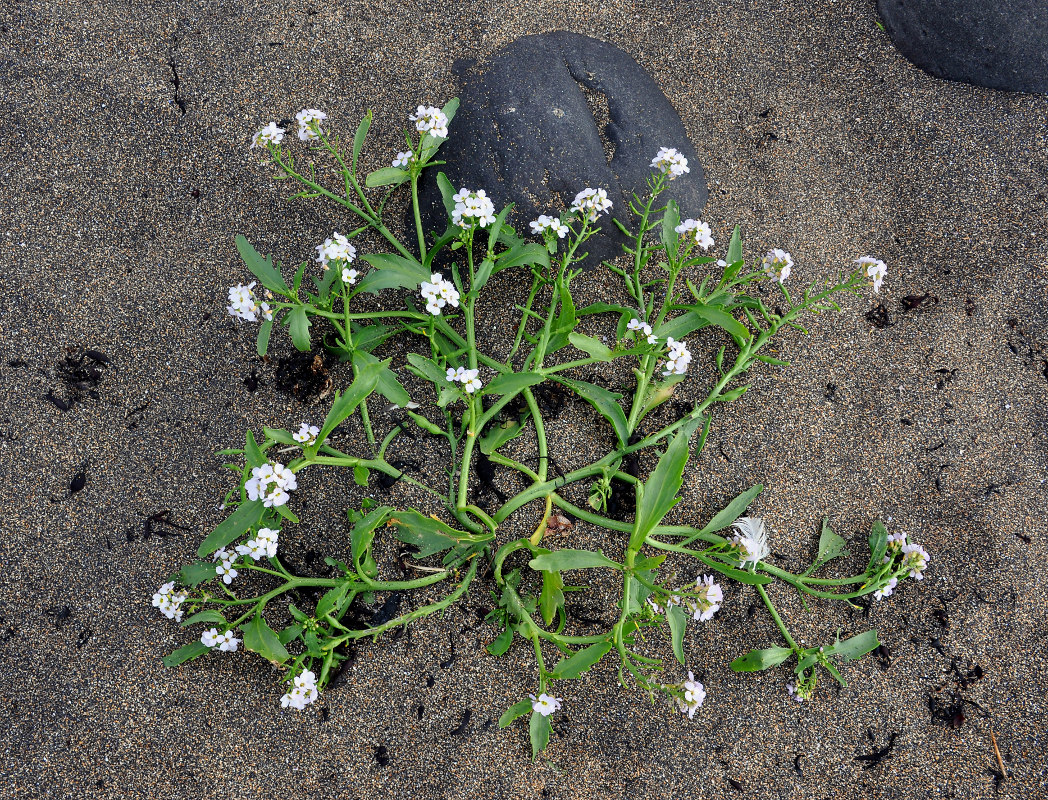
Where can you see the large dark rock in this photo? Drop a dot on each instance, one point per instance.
(1000, 44)
(552, 114)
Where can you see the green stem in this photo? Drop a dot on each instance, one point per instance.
(467, 454)
(418, 217)
(778, 620)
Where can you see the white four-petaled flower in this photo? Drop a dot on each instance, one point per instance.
(403, 159)
(875, 270)
(636, 324)
(886, 590)
(243, 304)
(438, 293)
(309, 120)
(303, 691)
(678, 357)
(696, 232)
(545, 704)
(547, 223)
(169, 601)
(431, 120)
(591, 203)
(915, 560)
(472, 209)
(270, 134)
(670, 162)
(223, 641)
(337, 248)
(777, 265)
(709, 599)
(307, 434)
(271, 483)
(690, 695)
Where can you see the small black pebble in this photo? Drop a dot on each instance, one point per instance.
(381, 755)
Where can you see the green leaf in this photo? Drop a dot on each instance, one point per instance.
(262, 342)
(594, 348)
(604, 308)
(514, 711)
(425, 424)
(722, 319)
(670, 237)
(262, 268)
(361, 475)
(857, 646)
(681, 326)
(734, 247)
(246, 516)
(500, 645)
(286, 513)
(196, 573)
(731, 512)
(530, 254)
(540, 729)
(332, 600)
(551, 597)
(447, 193)
(359, 137)
(208, 616)
(604, 401)
(878, 545)
(391, 271)
(363, 531)
(388, 386)
(347, 401)
(495, 229)
(482, 275)
(677, 618)
(580, 662)
(289, 634)
(734, 394)
(830, 545)
(189, 652)
(429, 535)
(427, 369)
(260, 638)
(567, 319)
(661, 488)
(757, 660)
(498, 435)
(253, 456)
(739, 575)
(513, 382)
(387, 176)
(571, 559)
(298, 324)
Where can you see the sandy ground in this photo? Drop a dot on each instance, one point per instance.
(124, 191)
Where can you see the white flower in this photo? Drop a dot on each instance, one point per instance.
(403, 159)
(915, 560)
(169, 601)
(431, 120)
(696, 232)
(669, 162)
(210, 638)
(591, 203)
(271, 483)
(798, 692)
(678, 357)
(471, 382)
(751, 538)
(690, 695)
(875, 269)
(438, 293)
(709, 600)
(349, 276)
(546, 223)
(885, 591)
(270, 134)
(309, 120)
(777, 265)
(307, 434)
(545, 704)
(636, 324)
(264, 545)
(244, 305)
(226, 642)
(226, 570)
(337, 248)
(472, 209)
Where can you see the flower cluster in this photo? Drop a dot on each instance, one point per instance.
(678, 357)
(469, 378)
(915, 560)
(875, 270)
(887, 589)
(546, 223)
(307, 434)
(271, 483)
(337, 248)
(696, 232)
(751, 537)
(777, 265)
(270, 134)
(689, 694)
(438, 293)
(169, 601)
(473, 209)
(708, 600)
(431, 120)
(243, 304)
(636, 324)
(591, 203)
(545, 704)
(264, 545)
(225, 568)
(800, 691)
(309, 120)
(670, 162)
(223, 641)
(303, 692)
(403, 160)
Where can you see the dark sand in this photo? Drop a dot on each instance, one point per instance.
(816, 136)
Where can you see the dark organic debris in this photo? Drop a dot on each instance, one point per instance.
(81, 374)
(460, 729)
(84, 637)
(251, 381)
(871, 760)
(304, 375)
(158, 523)
(61, 614)
(78, 482)
(883, 657)
(878, 316)
(381, 755)
(914, 301)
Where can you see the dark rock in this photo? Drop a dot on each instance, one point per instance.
(1000, 45)
(552, 114)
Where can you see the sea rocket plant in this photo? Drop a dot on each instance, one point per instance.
(517, 547)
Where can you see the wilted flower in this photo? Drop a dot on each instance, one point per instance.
(885, 591)
(678, 357)
(337, 248)
(751, 538)
(438, 293)
(689, 695)
(309, 120)
(472, 209)
(546, 223)
(875, 269)
(431, 120)
(243, 304)
(545, 704)
(670, 162)
(403, 159)
(271, 483)
(270, 134)
(915, 560)
(799, 692)
(777, 265)
(591, 203)
(307, 434)
(169, 601)
(697, 232)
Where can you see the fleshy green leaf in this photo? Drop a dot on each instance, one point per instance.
(262, 342)
(500, 645)
(878, 545)
(346, 402)
(391, 271)
(498, 435)
(426, 369)
(262, 268)
(661, 488)
(830, 545)
(514, 711)
(196, 573)
(681, 326)
(260, 638)
(513, 382)
(289, 634)
(757, 660)
(677, 618)
(727, 515)
(246, 516)
(552, 595)
(857, 646)
(332, 600)
(388, 386)
(577, 664)
(530, 254)
(207, 616)
(188, 653)
(670, 220)
(387, 176)
(722, 319)
(604, 401)
(298, 324)
(429, 535)
(571, 559)
(734, 247)
(359, 137)
(540, 728)
(594, 348)
(447, 193)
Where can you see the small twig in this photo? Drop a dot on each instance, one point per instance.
(997, 752)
